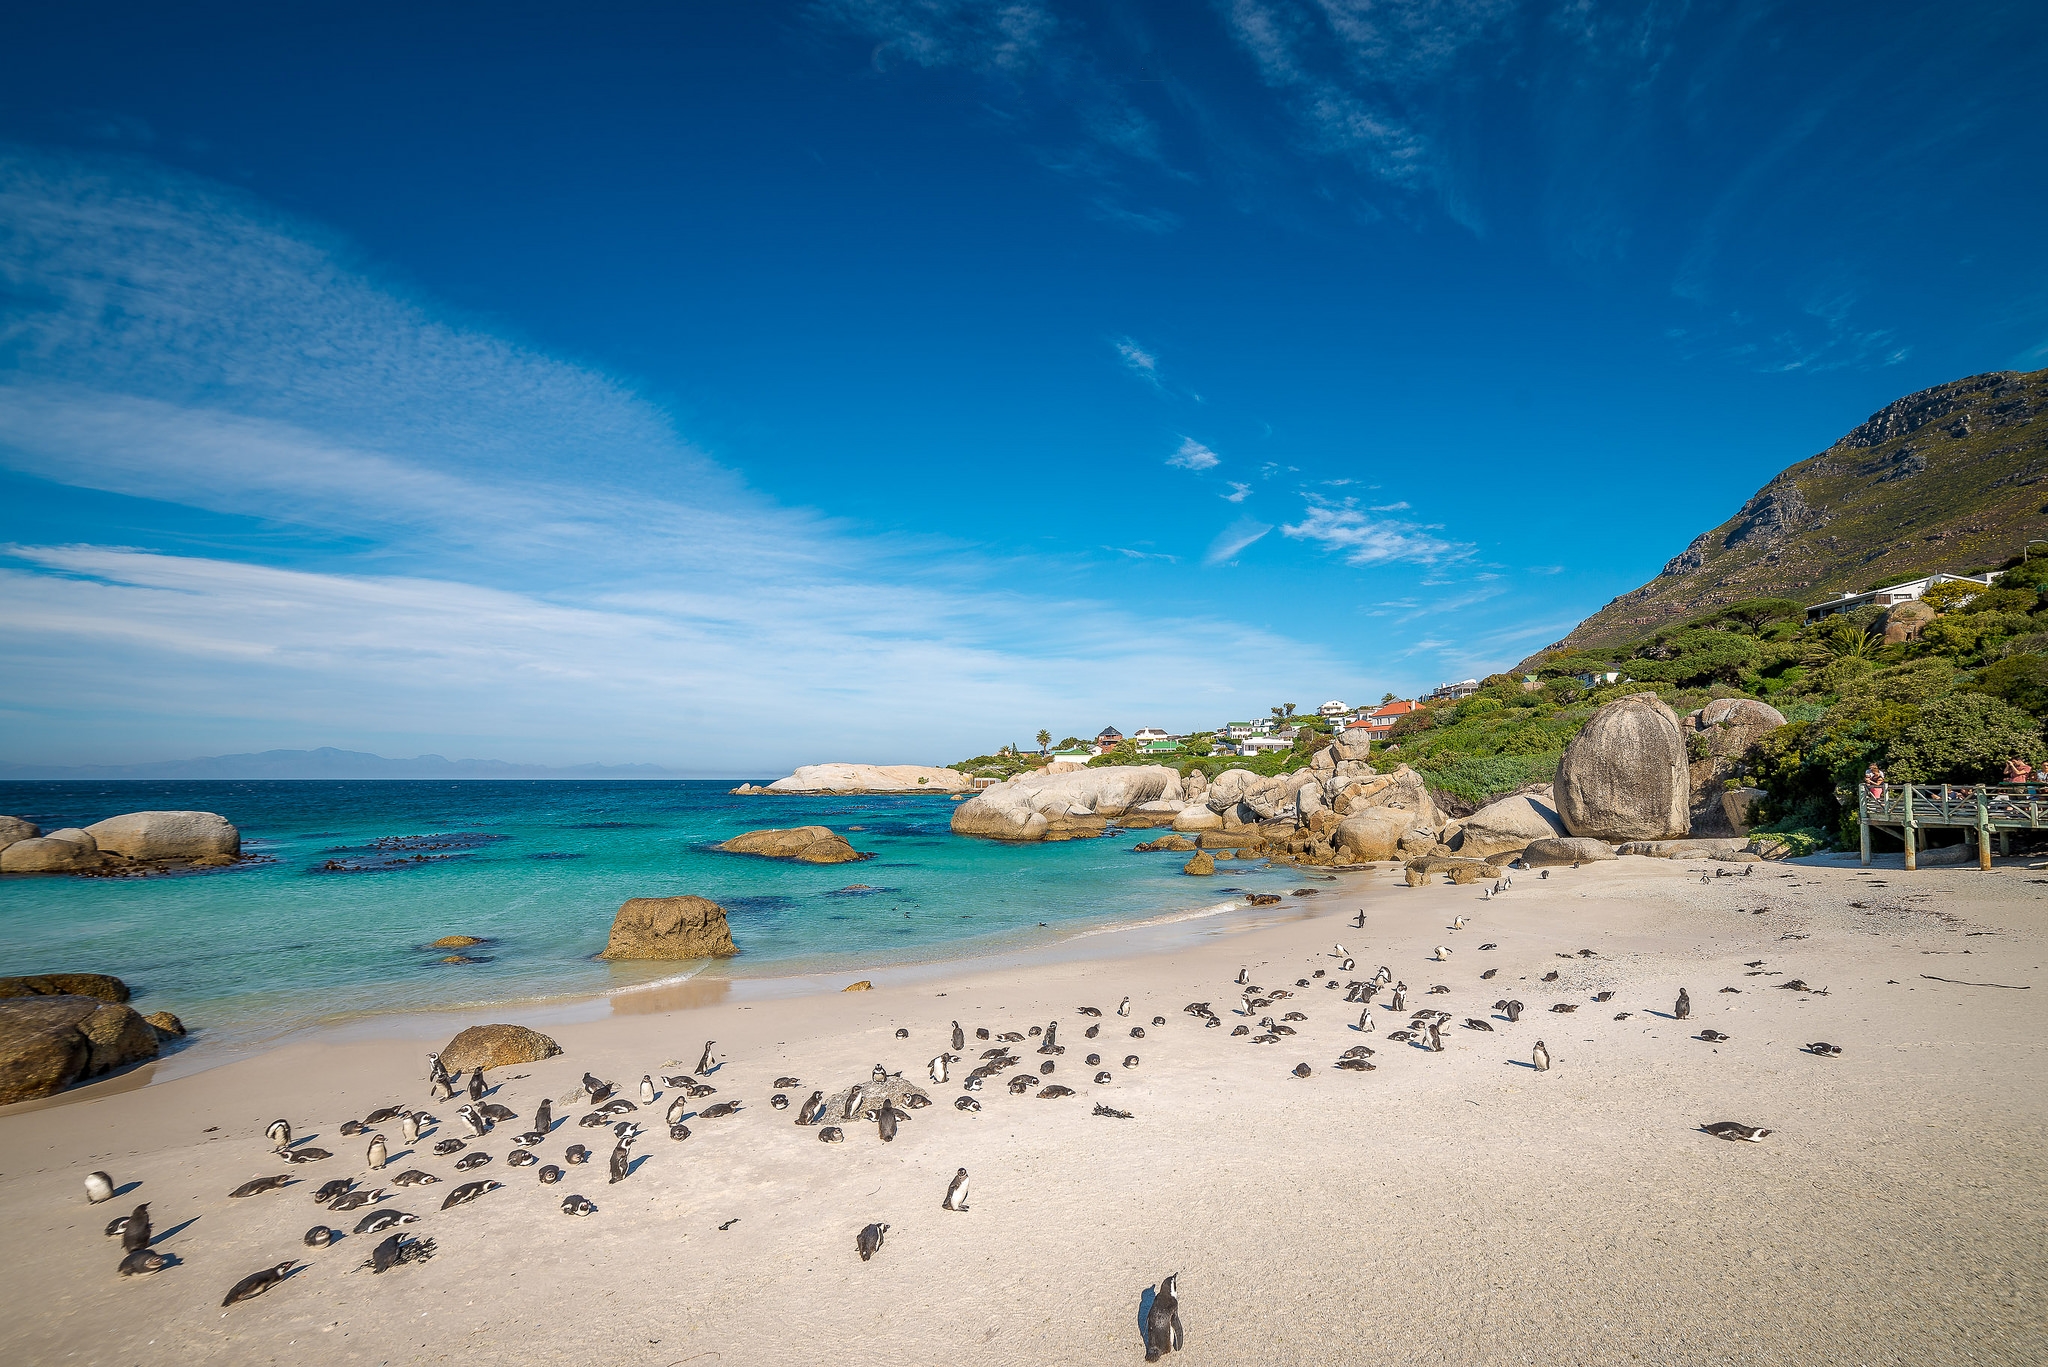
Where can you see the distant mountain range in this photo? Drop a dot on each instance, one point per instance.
(1952, 478)
(327, 762)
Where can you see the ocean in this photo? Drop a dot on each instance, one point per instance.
(353, 879)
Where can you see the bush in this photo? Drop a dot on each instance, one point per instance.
(1480, 779)
(2002, 599)
(2021, 680)
(1963, 738)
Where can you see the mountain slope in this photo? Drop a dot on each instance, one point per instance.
(1952, 478)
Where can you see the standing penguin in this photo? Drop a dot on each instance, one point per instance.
(1399, 1001)
(1684, 1007)
(135, 1229)
(279, 1134)
(1513, 1011)
(1162, 1319)
(647, 1089)
(956, 1192)
(885, 1122)
(853, 1100)
(1243, 976)
(704, 1063)
(1436, 1041)
(1365, 1020)
(409, 1127)
(441, 1089)
(377, 1153)
(544, 1116)
(959, 1037)
(1124, 1007)
(938, 1067)
(622, 1160)
(1540, 1056)
(476, 1084)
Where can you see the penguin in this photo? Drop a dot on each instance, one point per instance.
(279, 1134)
(576, 1154)
(1052, 1045)
(1399, 1001)
(622, 1161)
(1825, 1050)
(1458, 922)
(1243, 976)
(1712, 1036)
(1301, 1070)
(1544, 874)
(319, 1236)
(98, 1187)
(677, 1109)
(470, 1161)
(441, 1089)
(1124, 1007)
(704, 1063)
(812, 1111)
(647, 1089)
(1347, 966)
(476, 1084)
(478, 1126)
(396, 1250)
(959, 1040)
(853, 1100)
(902, 1034)
(445, 1147)
(409, 1127)
(383, 1115)
(1365, 1021)
(1442, 954)
(780, 1101)
(1513, 1011)
(1540, 1056)
(831, 1134)
(1130, 1060)
(1384, 976)
(593, 1084)
(938, 1068)
(435, 1069)
(413, 1177)
(1684, 1007)
(1162, 1319)
(885, 1122)
(520, 1158)
(256, 1283)
(578, 1205)
(679, 1132)
(1436, 1041)
(550, 1175)
(881, 1074)
(380, 1220)
(260, 1185)
(375, 1157)
(135, 1229)
(869, 1241)
(1340, 951)
(350, 1200)
(1735, 1129)
(1358, 921)
(956, 1192)
(544, 1116)
(468, 1192)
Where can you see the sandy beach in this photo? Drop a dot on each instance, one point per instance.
(1446, 1208)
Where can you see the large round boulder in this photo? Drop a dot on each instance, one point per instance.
(1064, 806)
(1378, 833)
(804, 844)
(43, 854)
(1352, 743)
(1566, 850)
(1623, 777)
(670, 928)
(1508, 824)
(1718, 736)
(168, 835)
(496, 1046)
(13, 828)
(49, 1042)
(870, 778)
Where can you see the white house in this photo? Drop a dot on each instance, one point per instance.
(1253, 745)
(1896, 593)
(1464, 688)
(1333, 709)
(1146, 734)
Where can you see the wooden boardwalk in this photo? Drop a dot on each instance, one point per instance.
(1991, 810)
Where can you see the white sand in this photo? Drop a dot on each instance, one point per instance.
(1448, 1208)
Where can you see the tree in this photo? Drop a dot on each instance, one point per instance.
(1289, 707)
(1950, 594)
(1386, 698)
(1044, 738)
(1963, 738)
(2021, 680)
(1754, 614)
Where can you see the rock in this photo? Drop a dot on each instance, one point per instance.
(1150, 814)
(81, 838)
(1567, 850)
(1738, 805)
(862, 986)
(1947, 854)
(1719, 735)
(49, 1042)
(1351, 744)
(1905, 621)
(805, 844)
(496, 1046)
(1624, 777)
(1230, 840)
(1064, 806)
(866, 778)
(1679, 849)
(670, 928)
(1196, 816)
(13, 828)
(167, 835)
(455, 942)
(45, 855)
(166, 1025)
(1376, 833)
(1507, 824)
(105, 987)
(1203, 863)
(1401, 790)
(1166, 842)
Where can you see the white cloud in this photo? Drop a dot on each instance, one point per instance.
(1234, 539)
(1192, 455)
(1005, 36)
(1400, 507)
(1364, 541)
(1238, 493)
(1139, 361)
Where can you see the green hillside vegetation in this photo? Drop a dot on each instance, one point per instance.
(1951, 475)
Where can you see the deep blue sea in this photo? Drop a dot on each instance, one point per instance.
(359, 876)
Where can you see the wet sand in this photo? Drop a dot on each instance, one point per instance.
(1453, 1207)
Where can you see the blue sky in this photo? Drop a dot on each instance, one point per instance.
(729, 387)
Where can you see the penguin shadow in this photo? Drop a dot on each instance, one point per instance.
(636, 1164)
(125, 1188)
(401, 1154)
(1145, 1299)
(162, 1235)
(1521, 1063)
(1661, 1015)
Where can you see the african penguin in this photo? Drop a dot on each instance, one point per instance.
(956, 1192)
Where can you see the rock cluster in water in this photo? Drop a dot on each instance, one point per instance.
(137, 842)
(813, 779)
(805, 844)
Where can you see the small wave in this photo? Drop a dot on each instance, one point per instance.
(1195, 915)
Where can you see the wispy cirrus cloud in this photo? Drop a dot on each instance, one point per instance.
(1364, 540)
(1137, 360)
(1192, 455)
(1007, 36)
(1238, 493)
(1232, 540)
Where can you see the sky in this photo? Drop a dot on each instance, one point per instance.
(732, 387)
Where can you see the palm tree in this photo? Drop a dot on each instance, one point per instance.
(1044, 738)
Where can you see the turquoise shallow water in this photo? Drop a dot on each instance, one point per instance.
(537, 868)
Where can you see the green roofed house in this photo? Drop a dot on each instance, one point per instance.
(1159, 747)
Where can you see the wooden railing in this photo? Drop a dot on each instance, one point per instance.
(1985, 808)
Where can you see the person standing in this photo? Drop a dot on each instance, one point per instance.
(1873, 782)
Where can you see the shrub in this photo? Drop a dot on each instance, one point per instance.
(1963, 738)
(2002, 599)
(2021, 680)
(1480, 779)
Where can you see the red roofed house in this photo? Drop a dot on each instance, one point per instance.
(1379, 723)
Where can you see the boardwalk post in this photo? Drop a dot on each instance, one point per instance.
(1983, 830)
(1911, 833)
(1863, 820)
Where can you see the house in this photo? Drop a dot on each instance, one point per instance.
(1253, 745)
(1333, 709)
(1241, 730)
(1146, 735)
(1169, 746)
(1451, 692)
(1108, 738)
(1896, 593)
(1080, 754)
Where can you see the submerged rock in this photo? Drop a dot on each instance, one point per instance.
(670, 928)
(166, 1025)
(1203, 863)
(455, 942)
(805, 844)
